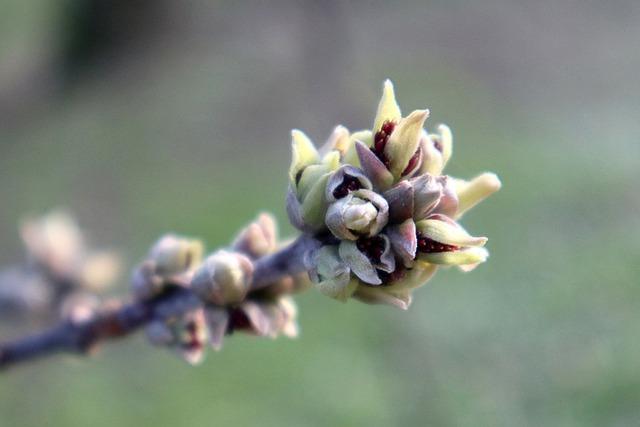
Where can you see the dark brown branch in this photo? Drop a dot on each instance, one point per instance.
(117, 321)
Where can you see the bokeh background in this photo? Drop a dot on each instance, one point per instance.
(163, 115)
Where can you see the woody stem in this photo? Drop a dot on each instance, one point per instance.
(119, 320)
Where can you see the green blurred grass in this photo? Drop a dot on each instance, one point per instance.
(545, 333)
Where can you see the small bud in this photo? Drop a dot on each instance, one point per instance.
(331, 276)
(174, 254)
(404, 142)
(444, 138)
(448, 233)
(368, 255)
(187, 334)
(314, 205)
(55, 242)
(380, 295)
(463, 256)
(99, 270)
(224, 278)
(284, 319)
(258, 238)
(306, 202)
(350, 157)
(218, 323)
(388, 109)
(442, 241)
(191, 336)
(339, 141)
(361, 213)
(303, 153)
(473, 192)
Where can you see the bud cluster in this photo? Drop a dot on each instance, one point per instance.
(64, 274)
(379, 204)
(222, 284)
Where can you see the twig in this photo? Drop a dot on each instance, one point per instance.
(80, 337)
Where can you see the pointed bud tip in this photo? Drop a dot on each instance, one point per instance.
(492, 181)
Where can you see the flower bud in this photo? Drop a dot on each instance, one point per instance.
(367, 256)
(258, 238)
(379, 295)
(218, 323)
(361, 213)
(437, 150)
(187, 334)
(303, 154)
(388, 109)
(330, 275)
(350, 157)
(99, 270)
(283, 318)
(404, 143)
(224, 278)
(191, 336)
(174, 254)
(287, 323)
(442, 241)
(339, 141)
(473, 192)
(55, 242)
(308, 175)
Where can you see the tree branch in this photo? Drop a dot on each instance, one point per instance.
(112, 322)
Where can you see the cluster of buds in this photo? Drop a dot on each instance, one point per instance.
(63, 273)
(379, 204)
(221, 283)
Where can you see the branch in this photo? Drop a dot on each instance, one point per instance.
(117, 321)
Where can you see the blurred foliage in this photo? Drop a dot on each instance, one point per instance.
(189, 133)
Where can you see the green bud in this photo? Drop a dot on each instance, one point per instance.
(405, 141)
(359, 213)
(224, 278)
(437, 149)
(448, 233)
(314, 206)
(442, 241)
(380, 295)
(338, 141)
(174, 254)
(388, 109)
(350, 157)
(465, 256)
(306, 202)
(331, 276)
(303, 153)
(470, 193)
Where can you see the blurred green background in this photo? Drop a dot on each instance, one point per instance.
(152, 116)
